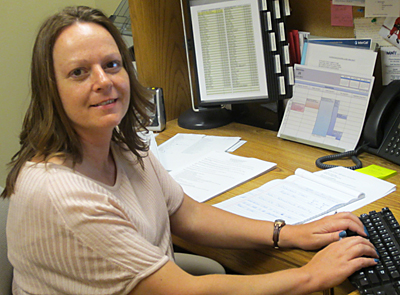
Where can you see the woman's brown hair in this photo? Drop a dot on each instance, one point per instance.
(47, 131)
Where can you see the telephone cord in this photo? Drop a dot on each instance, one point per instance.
(349, 154)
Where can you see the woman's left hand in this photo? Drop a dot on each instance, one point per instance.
(319, 233)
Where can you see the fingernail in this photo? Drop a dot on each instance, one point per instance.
(366, 231)
(342, 235)
(376, 260)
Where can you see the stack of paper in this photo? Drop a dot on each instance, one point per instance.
(201, 165)
(330, 97)
(183, 149)
(216, 173)
(306, 196)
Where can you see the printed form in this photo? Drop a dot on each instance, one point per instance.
(327, 109)
(233, 28)
(306, 196)
(183, 149)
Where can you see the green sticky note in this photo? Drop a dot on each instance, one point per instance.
(377, 171)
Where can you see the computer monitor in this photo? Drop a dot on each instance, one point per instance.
(236, 53)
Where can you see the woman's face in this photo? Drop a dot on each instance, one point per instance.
(91, 81)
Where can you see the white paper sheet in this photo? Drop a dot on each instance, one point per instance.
(345, 59)
(296, 200)
(183, 149)
(327, 108)
(382, 8)
(228, 43)
(390, 61)
(216, 173)
(349, 2)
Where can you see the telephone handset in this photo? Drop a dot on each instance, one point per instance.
(382, 128)
(381, 134)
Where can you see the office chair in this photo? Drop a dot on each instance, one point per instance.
(198, 265)
(6, 270)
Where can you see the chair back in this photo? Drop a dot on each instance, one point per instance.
(6, 269)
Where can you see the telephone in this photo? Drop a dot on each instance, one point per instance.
(382, 128)
(381, 133)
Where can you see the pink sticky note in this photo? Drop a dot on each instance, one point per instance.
(341, 15)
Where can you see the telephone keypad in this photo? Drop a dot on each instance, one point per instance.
(393, 146)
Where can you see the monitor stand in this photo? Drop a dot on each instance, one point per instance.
(205, 118)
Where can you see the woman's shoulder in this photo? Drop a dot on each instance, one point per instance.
(47, 176)
(39, 172)
(49, 182)
(34, 182)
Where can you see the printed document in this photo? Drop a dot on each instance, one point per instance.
(216, 173)
(327, 109)
(228, 43)
(182, 149)
(382, 8)
(390, 60)
(344, 59)
(358, 43)
(307, 196)
(349, 2)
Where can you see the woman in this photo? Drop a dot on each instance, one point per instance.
(92, 210)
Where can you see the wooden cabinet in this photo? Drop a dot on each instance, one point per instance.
(160, 53)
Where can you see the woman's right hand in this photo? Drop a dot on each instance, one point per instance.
(335, 263)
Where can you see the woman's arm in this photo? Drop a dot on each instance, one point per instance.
(328, 268)
(206, 225)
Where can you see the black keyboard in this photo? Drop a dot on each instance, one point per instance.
(384, 233)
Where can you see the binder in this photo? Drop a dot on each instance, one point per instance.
(273, 16)
(270, 49)
(287, 67)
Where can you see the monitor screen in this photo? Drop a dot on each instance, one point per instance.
(234, 61)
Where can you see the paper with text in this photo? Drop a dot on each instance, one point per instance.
(390, 61)
(216, 173)
(186, 148)
(228, 44)
(327, 108)
(344, 59)
(382, 8)
(297, 199)
(349, 2)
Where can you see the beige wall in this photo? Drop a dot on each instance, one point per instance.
(107, 6)
(19, 22)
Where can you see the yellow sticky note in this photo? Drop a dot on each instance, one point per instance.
(377, 171)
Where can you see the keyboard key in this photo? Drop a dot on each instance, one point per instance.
(395, 274)
(373, 277)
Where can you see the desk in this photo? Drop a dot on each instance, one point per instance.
(265, 145)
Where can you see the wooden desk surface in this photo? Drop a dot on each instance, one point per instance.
(265, 145)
